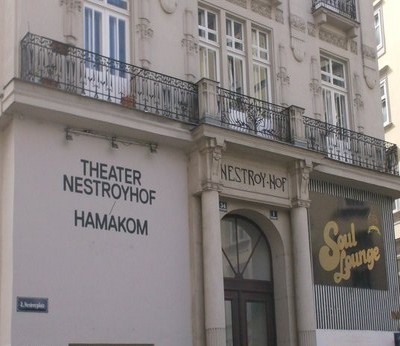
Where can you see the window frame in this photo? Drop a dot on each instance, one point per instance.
(260, 63)
(380, 46)
(385, 97)
(107, 11)
(337, 91)
(209, 45)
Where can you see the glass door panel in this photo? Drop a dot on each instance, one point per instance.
(256, 320)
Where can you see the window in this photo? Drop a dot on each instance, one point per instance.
(105, 34)
(106, 28)
(378, 30)
(334, 91)
(208, 34)
(238, 66)
(235, 48)
(248, 284)
(384, 102)
(261, 73)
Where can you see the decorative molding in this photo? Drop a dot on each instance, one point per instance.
(300, 177)
(279, 16)
(190, 43)
(262, 8)
(169, 6)
(241, 3)
(144, 29)
(370, 76)
(353, 46)
(312, 29)
(72, 4)
(333, 38)
(297, 23)
(211, 151)
(358, 103)
(315, 87)
(298, 49)
(369, 52)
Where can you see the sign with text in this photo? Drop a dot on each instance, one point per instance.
(29, 304)
(117, 183)
(347, 242)
(254, 178)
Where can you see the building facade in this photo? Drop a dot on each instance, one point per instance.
(387, 48)
(194, 173)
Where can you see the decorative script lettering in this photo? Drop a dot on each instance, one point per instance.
(334, 256)
(251, 177)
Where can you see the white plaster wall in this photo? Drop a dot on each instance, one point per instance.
(102, 286)
(354, 337)
(6, 232)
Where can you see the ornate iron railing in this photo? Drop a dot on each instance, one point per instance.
(76, 70)
(345, 8)
(351, 147)
(251, 115)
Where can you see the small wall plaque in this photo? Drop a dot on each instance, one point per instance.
(30, 304)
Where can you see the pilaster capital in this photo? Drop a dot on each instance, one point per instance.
(211, 150)
(300, 179)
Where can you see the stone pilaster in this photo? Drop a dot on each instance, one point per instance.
(302, 257)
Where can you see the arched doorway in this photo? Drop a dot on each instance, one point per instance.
(249, 295)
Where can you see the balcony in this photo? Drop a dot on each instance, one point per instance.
(341, 14)
(57, 65)
(76, 70)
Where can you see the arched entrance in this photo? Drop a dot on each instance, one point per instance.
(249, 295)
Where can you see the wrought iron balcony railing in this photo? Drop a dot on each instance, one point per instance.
(86, 73)
(351, 147)
(79, 71)
(345, 8)
(247, 114)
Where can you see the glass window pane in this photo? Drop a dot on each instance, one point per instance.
(113, 38)
(262, 40)
(337, 69)
(239, 76)
(201, 18)
(260, 74)
(122, 40)
(253, 252)
(238, 31)
(212, 21)
(228, 27)
(118, 3)
(256, 323)
(97, 32)
(228, 323)
(88, 29)
(212, 65)
(325, 65)
(228, 234)
(326, 94)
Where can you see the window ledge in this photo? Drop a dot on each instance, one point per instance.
(323, 15)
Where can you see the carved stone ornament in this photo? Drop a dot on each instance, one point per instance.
(144, 30)
(312, 29)
(241, 3)
(189, 42)
(298, 49)
(369, 52)
(370, 76)
(353, 46)
(297, 23)
(279, 16)
(169, 6)
(261, 7)
(72, 4)
(333, 38)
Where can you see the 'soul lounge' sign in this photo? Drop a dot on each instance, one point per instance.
(347, 242)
